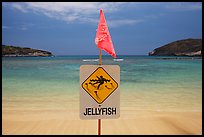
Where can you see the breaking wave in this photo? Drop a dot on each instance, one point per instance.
(91, 60)
(118, 59)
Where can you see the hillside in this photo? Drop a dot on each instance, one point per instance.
(186, 47)
(23, 51)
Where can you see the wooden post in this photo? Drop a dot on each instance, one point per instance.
(99, 127)
(99, 120)
(100, 57)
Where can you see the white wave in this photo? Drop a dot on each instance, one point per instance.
(141, 65)
(118, 59)
(91, 60)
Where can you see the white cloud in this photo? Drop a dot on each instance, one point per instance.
(184, 6)
(116, 23)
(19, 7)
(88, 12)
(6, 27)
(82, 12)
(66, 10)
(173, 6)
(24, 26)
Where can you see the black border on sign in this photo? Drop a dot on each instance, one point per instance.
(108, 75)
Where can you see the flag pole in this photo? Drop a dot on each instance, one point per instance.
(99, 127)
(100, 57)
(99, 120)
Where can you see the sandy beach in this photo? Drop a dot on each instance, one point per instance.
(153, 123)
(131, 121)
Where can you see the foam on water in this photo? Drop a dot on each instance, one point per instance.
(118, 59)
(91, 60)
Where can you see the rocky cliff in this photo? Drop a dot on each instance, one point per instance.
(186, 47)
(23, 51)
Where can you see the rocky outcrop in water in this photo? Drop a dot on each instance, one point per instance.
(187, 47)
(14, 51)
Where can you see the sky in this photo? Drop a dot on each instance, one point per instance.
(69, 28)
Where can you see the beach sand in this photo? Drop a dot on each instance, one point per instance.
(131, 121)
(185, 123)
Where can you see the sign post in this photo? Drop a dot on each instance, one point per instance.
(100, 57)
(99, 120)
(99, 84)
(99, 92)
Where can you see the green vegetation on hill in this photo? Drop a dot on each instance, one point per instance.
(23, 51)
(186, 47)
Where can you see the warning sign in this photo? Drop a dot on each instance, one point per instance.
(99, 91)
(99, 85)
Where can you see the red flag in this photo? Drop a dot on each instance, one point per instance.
(103, 38)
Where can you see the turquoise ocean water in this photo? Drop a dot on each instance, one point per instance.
(147, 83)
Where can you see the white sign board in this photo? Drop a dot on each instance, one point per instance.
(99, 91)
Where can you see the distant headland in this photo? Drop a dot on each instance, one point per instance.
(186, 47)
(15, 51)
